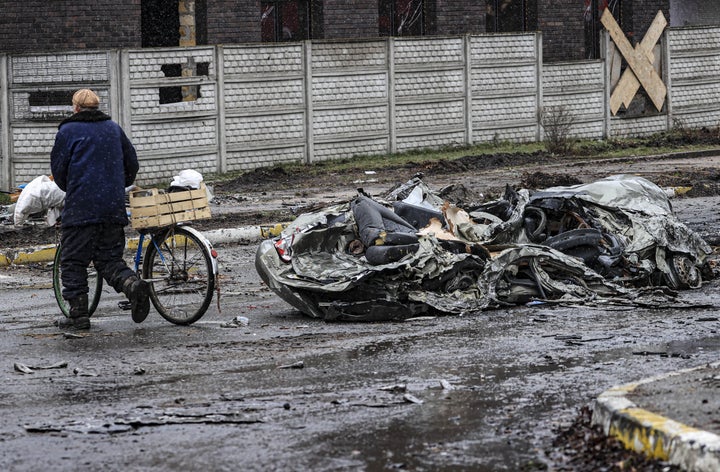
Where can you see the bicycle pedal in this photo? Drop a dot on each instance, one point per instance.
(125, 305)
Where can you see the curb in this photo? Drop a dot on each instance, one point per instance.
(655, 436)
(246, 234)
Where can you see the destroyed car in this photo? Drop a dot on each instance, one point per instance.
(413, 253)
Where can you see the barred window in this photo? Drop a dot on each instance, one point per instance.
(591, 16)
(505, 16)
(286, 20)
(405, 17)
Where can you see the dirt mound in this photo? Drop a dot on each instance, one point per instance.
(257, 178)
(28, 235)
(582, 447)
(681, 136)
(704, 182)
(486, 162)
(309, 177)
(540, 180)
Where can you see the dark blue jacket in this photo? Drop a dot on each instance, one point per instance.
(93, 161)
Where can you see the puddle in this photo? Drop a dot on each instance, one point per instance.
(460, 430)
(472, 426)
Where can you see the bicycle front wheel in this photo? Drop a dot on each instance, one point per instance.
(94, 285)
(179, 266)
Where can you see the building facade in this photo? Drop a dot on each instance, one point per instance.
(570, 28)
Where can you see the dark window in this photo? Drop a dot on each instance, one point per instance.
(290, 20)
(405, 17)
(160, 23)
(176, 94)
(51, 98)
(200, 22)
(504, 16)
(50, 105)
(593, 11)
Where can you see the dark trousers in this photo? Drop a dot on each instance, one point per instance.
(101, 244)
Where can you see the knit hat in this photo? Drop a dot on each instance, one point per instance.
(85, 98)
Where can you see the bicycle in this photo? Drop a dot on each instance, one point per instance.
(178, 261)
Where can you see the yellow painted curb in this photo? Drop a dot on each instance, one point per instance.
(272, 231)
(654, 435)
(38, 255)
(132, 243)
(47, 253)
(648, 433)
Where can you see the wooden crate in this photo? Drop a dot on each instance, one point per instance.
(153, 208)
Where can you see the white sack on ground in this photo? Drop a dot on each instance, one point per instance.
(41, 194)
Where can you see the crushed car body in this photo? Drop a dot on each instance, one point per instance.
(413, 253)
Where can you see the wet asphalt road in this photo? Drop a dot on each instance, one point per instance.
(479, 392)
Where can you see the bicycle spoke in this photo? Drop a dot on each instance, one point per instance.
(180, 270)
(95, 284)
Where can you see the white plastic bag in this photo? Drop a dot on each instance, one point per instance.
(41, 194)
(187, 178)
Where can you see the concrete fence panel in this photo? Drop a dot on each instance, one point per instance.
(578, 89)
(38, 95)
(238, 107)
(429, 92)
(171, 98)
(695, 76)
(349, 99)
(504, 88)
(264, 105)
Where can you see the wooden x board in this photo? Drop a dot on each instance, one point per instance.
(628, 85)
(640, 60)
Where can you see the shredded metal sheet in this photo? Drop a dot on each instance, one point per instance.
(603, 242)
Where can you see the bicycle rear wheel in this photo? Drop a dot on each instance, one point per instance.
(95, 283)
(179, 266)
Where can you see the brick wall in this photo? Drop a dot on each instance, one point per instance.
(644, 12)
(562, 26)
(460, 16)
(350, 19)
(708, 13)
(233, 21)
(236, 21)
(694, 12)
(41, 26)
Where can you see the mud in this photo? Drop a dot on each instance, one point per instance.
(505, 390)
(501, 391)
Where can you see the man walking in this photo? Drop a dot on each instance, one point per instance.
(93, 161)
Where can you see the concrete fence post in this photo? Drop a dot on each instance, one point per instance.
(467, 53)
(309, 129)
(124, 93)
(220, 127)
(392, 136)
(5, 153)
(116, 87)
(605, 55)
(665, 48)
(540, 132)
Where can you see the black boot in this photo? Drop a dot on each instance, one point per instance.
(138, 292)
(79, 318)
